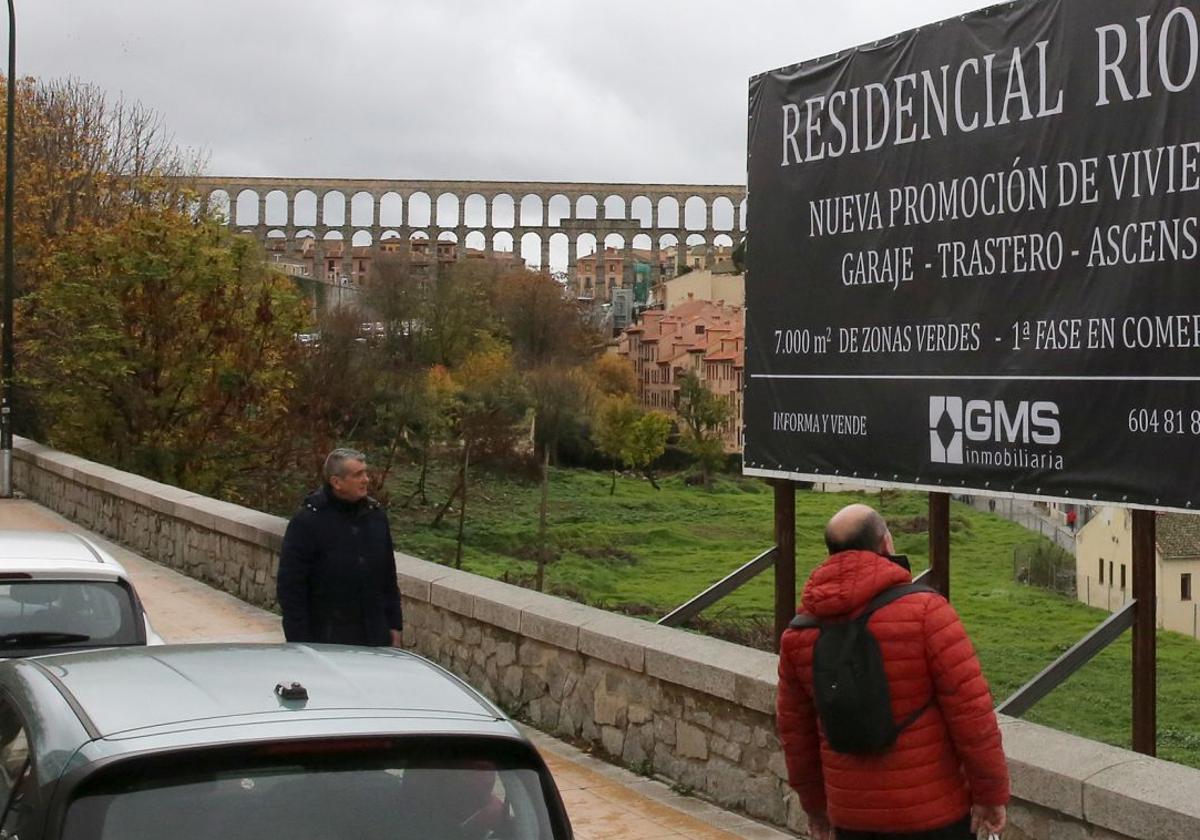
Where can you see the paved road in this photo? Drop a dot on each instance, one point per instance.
(604, 802)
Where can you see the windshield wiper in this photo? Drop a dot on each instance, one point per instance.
(42, 637)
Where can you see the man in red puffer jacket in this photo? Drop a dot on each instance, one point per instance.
(945, 777)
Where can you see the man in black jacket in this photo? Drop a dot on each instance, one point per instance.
(337, 575)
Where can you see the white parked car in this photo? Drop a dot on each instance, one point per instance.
(60, 591)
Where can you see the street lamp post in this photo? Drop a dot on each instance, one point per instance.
(6, 393)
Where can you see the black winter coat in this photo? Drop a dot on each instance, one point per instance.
(337, 574)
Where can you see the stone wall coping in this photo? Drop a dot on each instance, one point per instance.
(1106, 786)
(237, 521)
(722, 669)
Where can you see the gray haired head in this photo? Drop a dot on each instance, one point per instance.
(335, 461)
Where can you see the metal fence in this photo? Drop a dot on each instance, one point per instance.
(1047, 566)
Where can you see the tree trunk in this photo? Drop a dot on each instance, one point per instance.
(419, 490)
(649, 473)
(437, 520)
(462, 508)
(612, 490)
(541, 564)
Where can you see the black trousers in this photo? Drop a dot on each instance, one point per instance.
(960, 830)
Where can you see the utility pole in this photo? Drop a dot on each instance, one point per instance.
(6, 393)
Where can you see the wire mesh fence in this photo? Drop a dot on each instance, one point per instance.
(1046, 565)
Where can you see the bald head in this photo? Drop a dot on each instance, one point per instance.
(857, 527)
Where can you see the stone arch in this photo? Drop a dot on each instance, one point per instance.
(362, 209)
(390, 234)
(391, 210)
(219, 206)
(695, 214)
(585, 207)
(333, 236)
(531, 250)
(475, 211)
(304, 234)
(275, 237)
(304, 208)
(362, 239)
(668, 253)
(560, 249)
(418, 234)
(531, 211)
(723, 214)
(642, 211)
(614, 240)
(503, 211)
(668, 212)
(333, 208)
(475, 241)
(742, 217)
(502, 242)
(585, 245)
(447, 210)
(696, 240)
(723, 240)
(276, 208)
(420, 210)
(246, 209)
(643, 242)
(667, 242)
(558, 210)
(614, 207)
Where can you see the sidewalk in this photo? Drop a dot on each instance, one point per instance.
(605, 802)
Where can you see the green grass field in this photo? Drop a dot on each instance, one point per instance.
(644, 552)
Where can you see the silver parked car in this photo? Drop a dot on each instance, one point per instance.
(244, 742)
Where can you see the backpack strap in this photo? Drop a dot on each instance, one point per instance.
(893, 594)
(884, 598)
(803, 621)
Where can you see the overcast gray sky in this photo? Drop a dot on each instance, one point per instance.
(556, 90)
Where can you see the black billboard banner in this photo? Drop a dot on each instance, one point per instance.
(974, 257)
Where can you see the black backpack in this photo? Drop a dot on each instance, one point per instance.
(850, 687)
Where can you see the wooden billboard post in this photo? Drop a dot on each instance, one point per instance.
(785, 555)
(939, 542)
(1145, 621)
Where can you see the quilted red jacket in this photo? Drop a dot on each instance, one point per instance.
(947, 760)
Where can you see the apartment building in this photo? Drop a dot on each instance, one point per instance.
(699, 336)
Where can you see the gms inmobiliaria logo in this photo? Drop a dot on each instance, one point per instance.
(946, 430)
(995, 433)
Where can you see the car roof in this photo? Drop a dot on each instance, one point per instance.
(55, 554)
(193, 687)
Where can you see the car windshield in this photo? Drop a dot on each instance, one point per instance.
(319, 797)
(52, 614)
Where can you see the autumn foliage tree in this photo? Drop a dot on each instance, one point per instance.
(702, 414)
(163, 345)
(630, 435)
(86, 161)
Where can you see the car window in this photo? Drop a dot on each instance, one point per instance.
(401, 798)
(42, 613)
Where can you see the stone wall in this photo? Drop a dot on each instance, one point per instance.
(693, 710)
